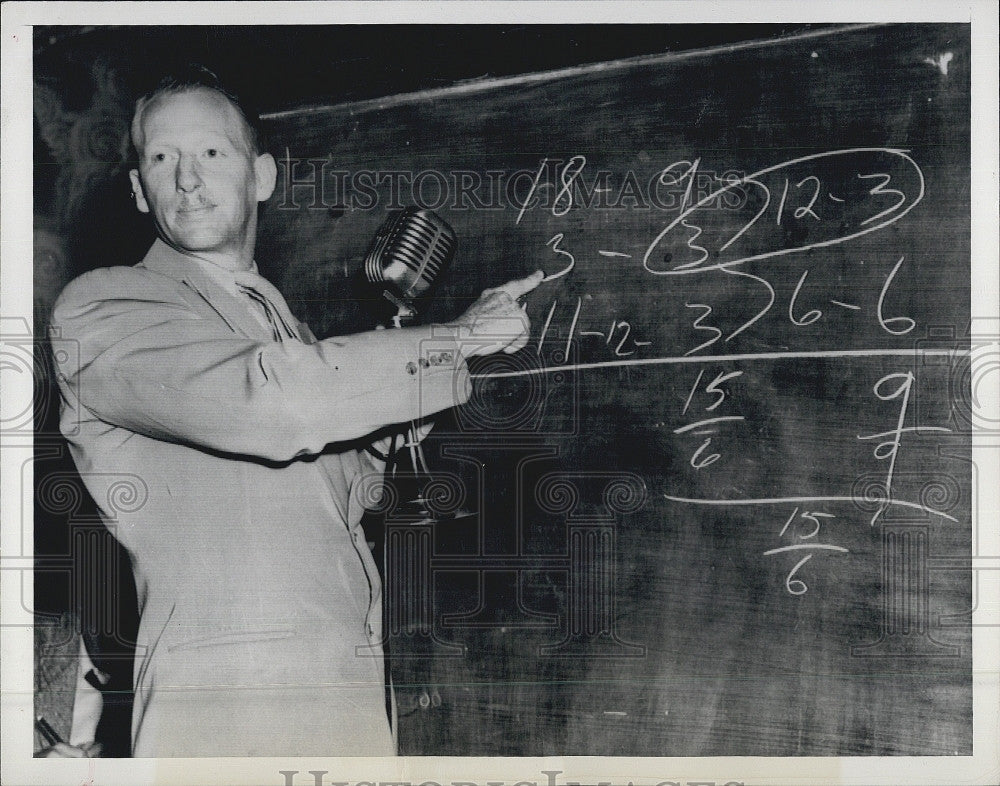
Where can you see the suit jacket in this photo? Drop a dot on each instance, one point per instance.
(223, 462)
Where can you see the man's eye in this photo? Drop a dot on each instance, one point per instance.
(159, 157)
(212, 152)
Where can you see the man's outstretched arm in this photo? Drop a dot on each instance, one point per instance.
(151, 363)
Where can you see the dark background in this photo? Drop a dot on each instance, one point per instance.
(293, 66)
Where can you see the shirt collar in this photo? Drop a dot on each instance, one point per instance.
(167, 260)
(216, 286)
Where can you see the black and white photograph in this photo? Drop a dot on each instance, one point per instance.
(488, 393)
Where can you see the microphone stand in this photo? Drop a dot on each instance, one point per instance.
(407, 254)
(405, 314)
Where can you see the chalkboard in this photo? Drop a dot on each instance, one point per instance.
(720, 505)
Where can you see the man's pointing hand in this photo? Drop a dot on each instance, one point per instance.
(497, 321)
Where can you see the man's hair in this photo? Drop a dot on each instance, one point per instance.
(194, 77)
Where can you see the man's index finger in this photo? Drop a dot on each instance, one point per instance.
(522, 286)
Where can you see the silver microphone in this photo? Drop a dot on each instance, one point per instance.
(407, 255)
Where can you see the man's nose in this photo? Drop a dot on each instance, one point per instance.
(188, 178)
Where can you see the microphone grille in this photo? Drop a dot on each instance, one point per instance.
(409, 251)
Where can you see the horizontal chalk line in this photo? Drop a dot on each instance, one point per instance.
(832, 353)
(785, 500)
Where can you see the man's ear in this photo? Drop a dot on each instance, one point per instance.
(266, 172)
(140, 198)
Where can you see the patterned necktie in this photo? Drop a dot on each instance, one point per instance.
(280, 330)
(260, 290)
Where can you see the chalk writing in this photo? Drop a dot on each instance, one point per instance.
(699, 427)
(793, 585)
(909, 353)
(821, 498)
(759, 314)
(707, 421)
(531, 191)
(554, 243)
(896, 326)
(910, 324)
(564, 196)
(668, 177)
(619, 329)
(842, 219)
(888, 448)
(698, 326)
(809, 317)
(801, 204)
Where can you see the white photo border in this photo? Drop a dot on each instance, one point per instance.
(16, 644)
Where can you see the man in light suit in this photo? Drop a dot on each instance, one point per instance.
(225, 448)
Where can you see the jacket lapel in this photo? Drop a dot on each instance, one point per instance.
(233, 310)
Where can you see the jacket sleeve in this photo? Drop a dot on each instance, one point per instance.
(149, 362)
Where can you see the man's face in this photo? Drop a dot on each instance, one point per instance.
(197, 175)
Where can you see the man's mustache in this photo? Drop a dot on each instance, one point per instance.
(197, 203)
